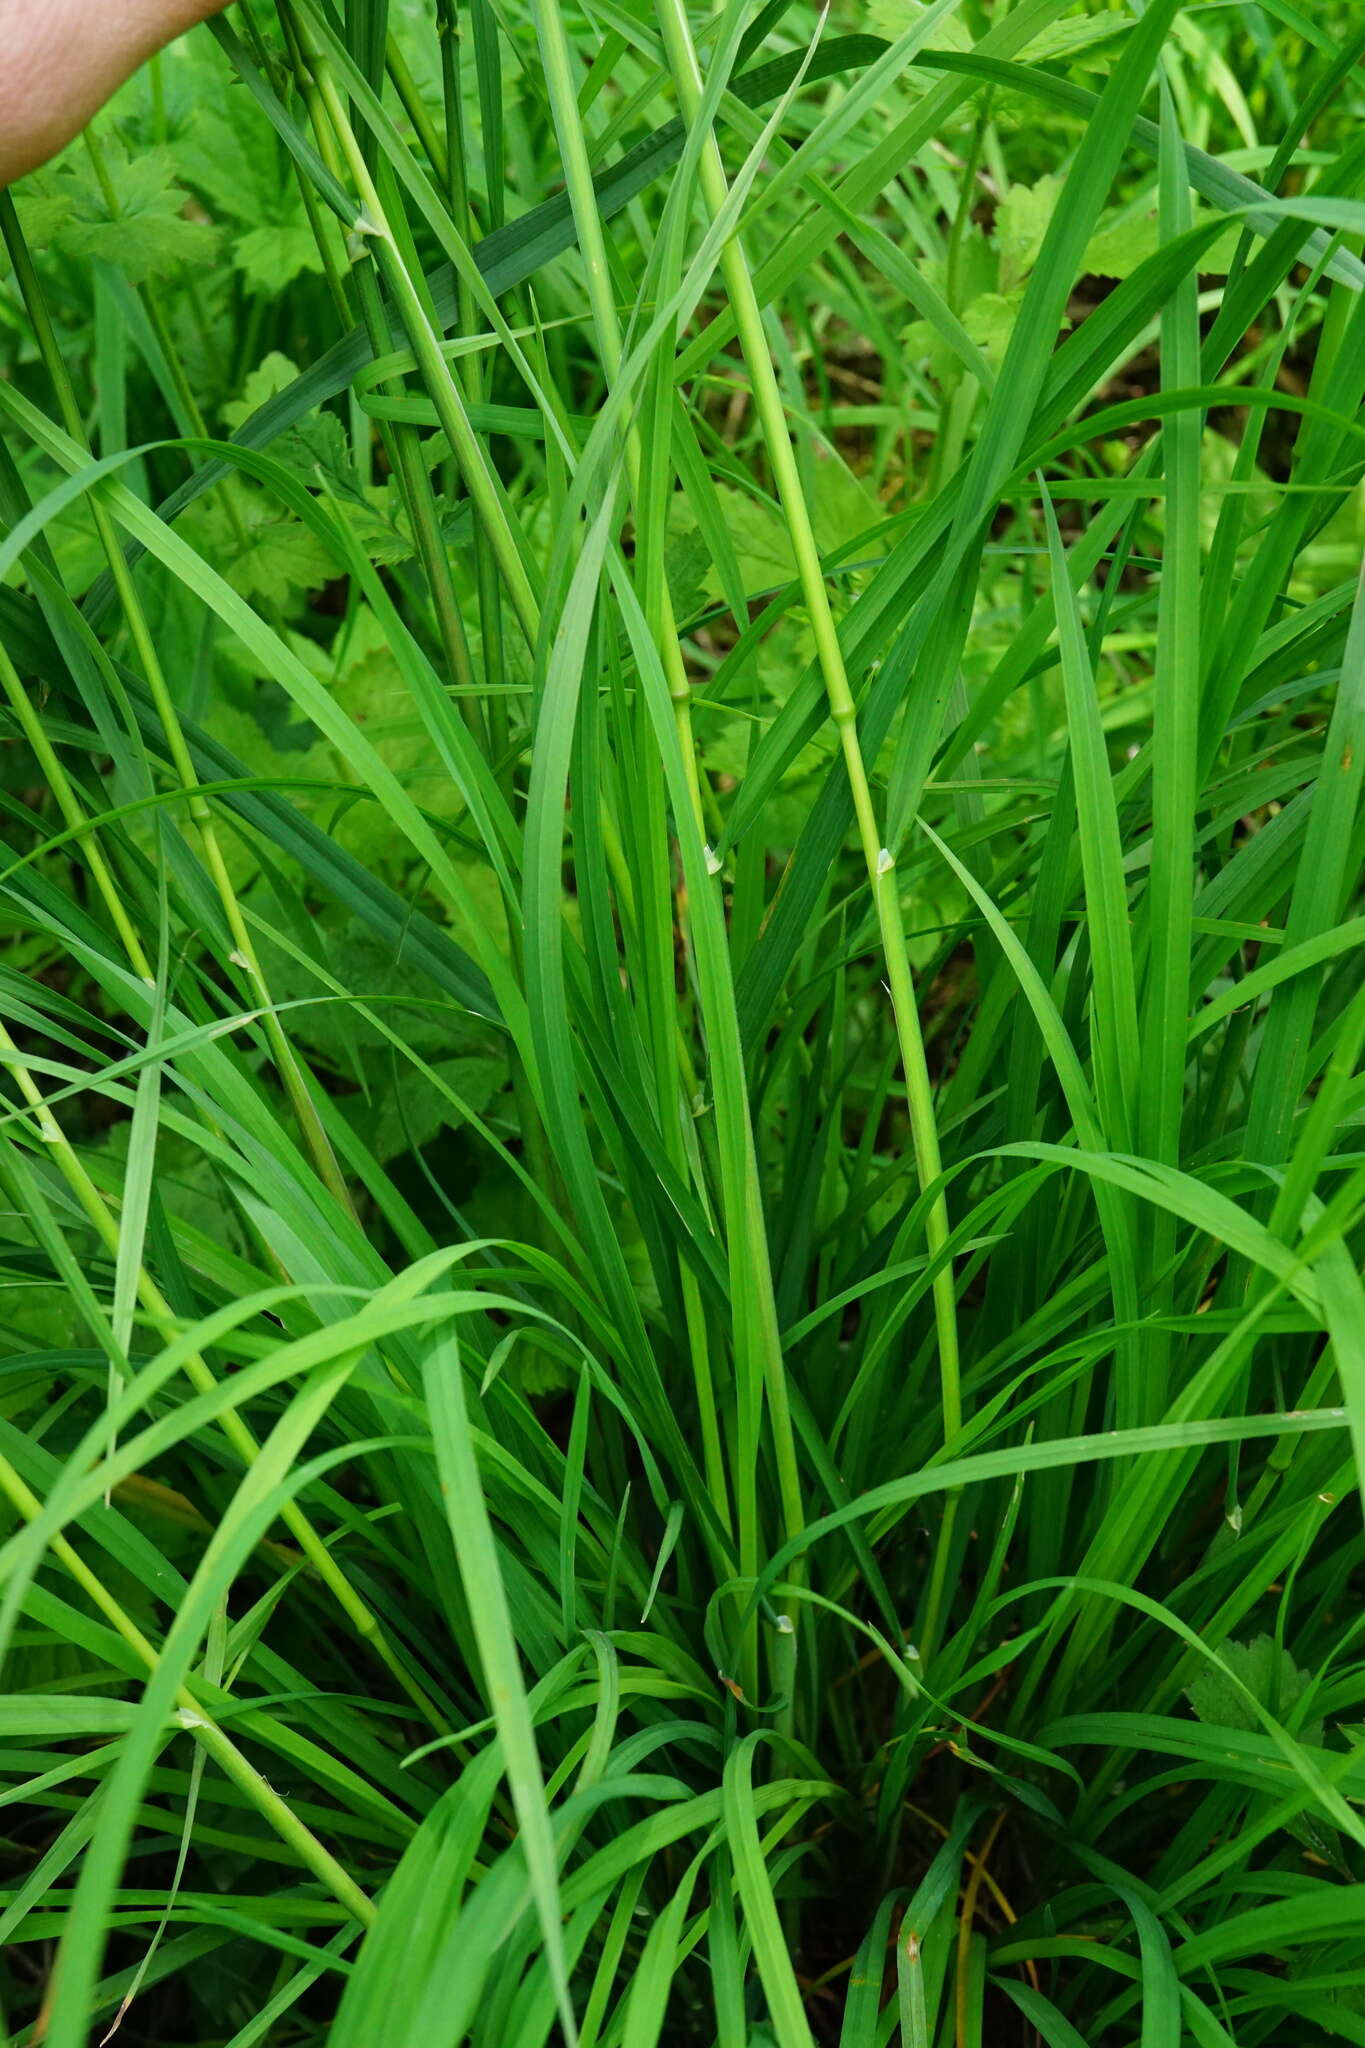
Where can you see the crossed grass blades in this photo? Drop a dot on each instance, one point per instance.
(683, 1356)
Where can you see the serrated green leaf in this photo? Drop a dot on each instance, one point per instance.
(891, 19)
(412, 1106)
(275, 372)
(1267, 1671)
(147, 232)
(265, 553)
(270, 258)
(230, 156)
(1021, 221)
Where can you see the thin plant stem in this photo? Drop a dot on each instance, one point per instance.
(411, 471)
(880, 863)
(475, 469)
(674, 1098)
(73, 814)
(472, 375)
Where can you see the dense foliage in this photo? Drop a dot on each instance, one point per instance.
(683, 1356)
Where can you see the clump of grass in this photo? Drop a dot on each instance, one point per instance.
(683, 1355)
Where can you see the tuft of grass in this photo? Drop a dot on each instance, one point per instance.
(683, 1356)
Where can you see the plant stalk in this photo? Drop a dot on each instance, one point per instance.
(880, 863)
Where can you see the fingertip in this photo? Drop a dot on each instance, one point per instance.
(62, 60)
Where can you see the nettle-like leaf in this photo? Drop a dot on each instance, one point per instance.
(233, 159)
(369, 687)
(189, 1185)
(271, 257)
(1268, 1672)
(267, 556)
(271, 709)
(842, 510)
(274, 373)
(1076, 38)
(140, 224)
(378, 517)
(412, 1111)
(1021, 220)
(891, 18)
(374, 974)
(1131, 237)
(994, 274)
(993, 271)
(1218, 457)
(1116, 249)
(687, 561)
(990, 322)
(1271, 1675)
(319, 446)
(265, 552)
(37, 1315)
(1072, 37)
(159, 105)
(316, 448)
(360, 671)
(987, 310)
(977, 270)
(319, 450)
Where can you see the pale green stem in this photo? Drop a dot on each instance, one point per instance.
(409, 467)
(592, 248)
(327, 109)
(69, 804)
(479, 479)
(472, 378)
(606, 323)
(880, 863)
(414, 106)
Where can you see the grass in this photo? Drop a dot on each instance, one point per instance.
(683, 1351)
